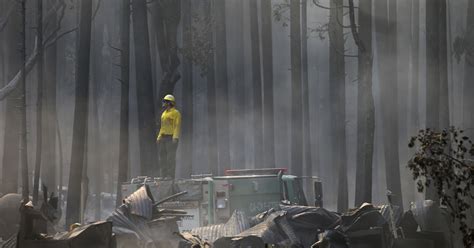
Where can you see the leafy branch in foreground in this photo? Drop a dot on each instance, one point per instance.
(443, 160)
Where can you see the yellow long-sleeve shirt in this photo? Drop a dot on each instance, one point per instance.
(170, 123)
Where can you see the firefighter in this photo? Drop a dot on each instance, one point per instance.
(168, 136)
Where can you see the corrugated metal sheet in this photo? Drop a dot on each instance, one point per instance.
(10, 243)
(133, 216)
(139, 203)
(237, 223)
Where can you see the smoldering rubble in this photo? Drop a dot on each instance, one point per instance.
(141, 222)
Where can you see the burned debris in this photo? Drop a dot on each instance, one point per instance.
(150, 218)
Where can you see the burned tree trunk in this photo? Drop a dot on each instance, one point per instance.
(187, 92)
(437, 107)
(365, 106)
(222, 84)
(308, 159)
(256, 85)
(386, 46)
(389, 94)
(79, 139)
(296, 93)
(211, 95)
(166, 23)
(124, 98)
(337, 88)
(49, 166)
(415, 61)
(267, 73)
(468, 87)
(23, 132)
(238, 84)
(39, 101)
(11, 159)
(146, 112)
(437, 112)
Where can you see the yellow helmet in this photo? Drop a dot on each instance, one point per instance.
(169, 98)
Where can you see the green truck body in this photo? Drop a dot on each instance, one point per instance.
(212, 200)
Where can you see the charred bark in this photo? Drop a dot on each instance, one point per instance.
(256, 85)
(11, 159)
(39, 101)
(389, 94)
(79, 139)
(437, 107)
(365, 106)
(211, 97)
(386, 46)
(307, 149)
(187, 92)
(22, 107)
(124, 98)
(468, 87)
(337, 88)
(296, 90)
(146, 112)
(49, 165)
(166, 23)
(267, 73)
(222, 84)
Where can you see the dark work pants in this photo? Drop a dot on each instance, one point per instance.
(167, 156)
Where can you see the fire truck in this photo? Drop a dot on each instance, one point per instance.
(213, 199)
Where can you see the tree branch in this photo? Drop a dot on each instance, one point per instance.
(355, 34)
(96, 9)
(4, 21)
(30, 63)
(316, 2)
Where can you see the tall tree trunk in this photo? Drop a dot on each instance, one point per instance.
(146, 112)
(405, 76)
(443, 65)
(307, 149)
(187, 92)
(48, 172)
(437, 116)
(39, 103)
(11, 159)
(389, 93)
(296, 93)
(222, 83)
(211, 96)
(468, 87)
(415, 61)
(239, 97)
(432, 64)
(385, 27)
(23, 132)
(79, 139)
(98, 173)
(124, 98)
(95, 150)
(337, 79)
(256, 85)
(365, 107)
(267, 72)
(167, 21)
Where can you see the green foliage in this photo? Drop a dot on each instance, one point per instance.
(442, 160)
